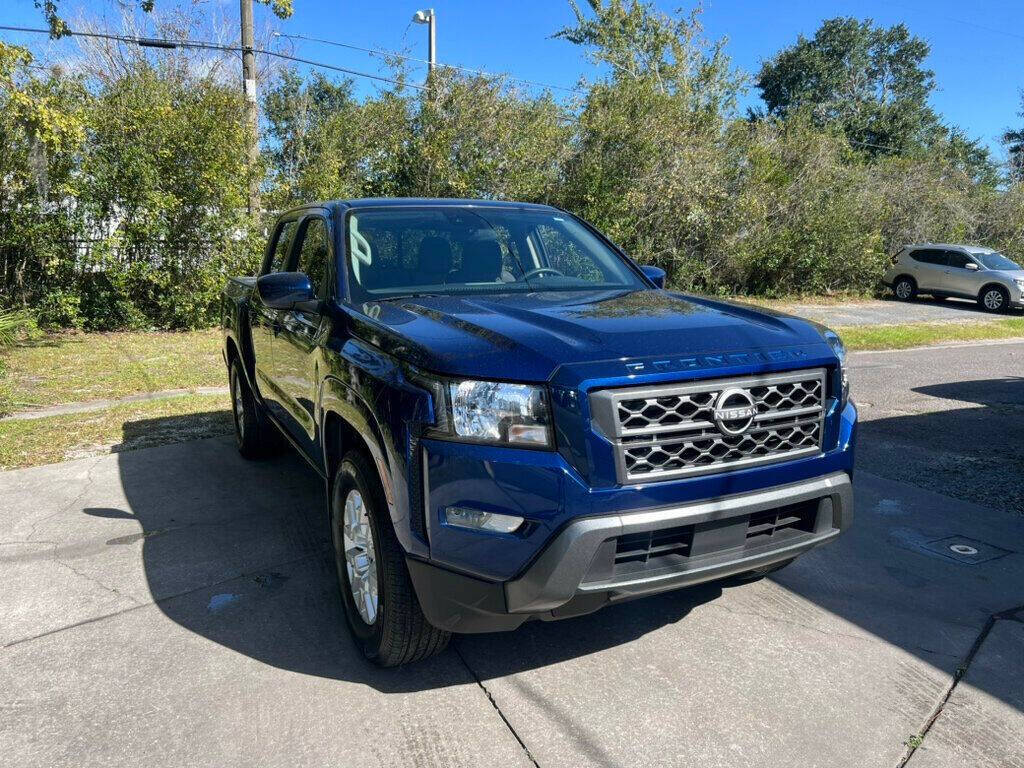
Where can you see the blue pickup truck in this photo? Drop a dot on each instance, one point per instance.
(515, 421)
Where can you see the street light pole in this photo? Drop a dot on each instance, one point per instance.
(252, 117)
(429, 18)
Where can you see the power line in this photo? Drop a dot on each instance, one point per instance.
(955, 20)
(397, 55)
(155, 42)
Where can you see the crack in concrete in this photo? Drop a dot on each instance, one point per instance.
(160, 601)
(97, 582)
(915, 742)
(490, 698)
(67, 507)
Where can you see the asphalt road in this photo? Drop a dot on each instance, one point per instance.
(892, 312)
(176, 606)
(950, 419)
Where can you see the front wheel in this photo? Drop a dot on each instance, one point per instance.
(381, 606)
(994, 299)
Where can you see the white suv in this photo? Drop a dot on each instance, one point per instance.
(964, 271)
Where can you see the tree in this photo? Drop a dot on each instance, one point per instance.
(310, 127)
(648, 163)
(869, 79)
(42, 132)
(164, 180)
(58, 28)
(474, 137)
(1014, 141)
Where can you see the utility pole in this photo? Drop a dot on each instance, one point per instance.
(429, 18)
(252, 116)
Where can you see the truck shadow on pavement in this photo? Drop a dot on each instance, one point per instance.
(973, 453)
(238, 553)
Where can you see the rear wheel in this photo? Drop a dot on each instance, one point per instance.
(254, 434)
(383, 612)
(994, 298)
(905, 289)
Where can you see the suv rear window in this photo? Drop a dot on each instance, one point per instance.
(929, 256)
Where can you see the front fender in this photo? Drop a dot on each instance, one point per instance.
(365, 388)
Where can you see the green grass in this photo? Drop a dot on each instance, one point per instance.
(119, 428)
(76, 367)
(923, 334)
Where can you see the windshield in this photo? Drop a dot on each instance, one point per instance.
(995, 261)
(455, 250)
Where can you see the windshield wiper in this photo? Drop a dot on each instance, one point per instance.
(414, 296)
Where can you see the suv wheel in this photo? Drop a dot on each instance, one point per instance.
(383, 612)
(994, 298)
(254, 434)
(905, 289)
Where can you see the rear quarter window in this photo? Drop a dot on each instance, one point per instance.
(929, 256)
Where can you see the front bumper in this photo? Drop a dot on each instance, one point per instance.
(594, 561)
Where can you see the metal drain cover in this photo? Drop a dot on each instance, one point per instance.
(965, 550)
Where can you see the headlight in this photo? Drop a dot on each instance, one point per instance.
(1020, 282)
(840, 349)
(498, 412)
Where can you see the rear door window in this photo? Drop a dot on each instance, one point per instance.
(959, 259)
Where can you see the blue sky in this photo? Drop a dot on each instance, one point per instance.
(977, 49)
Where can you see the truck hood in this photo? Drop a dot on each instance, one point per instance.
(528, 337)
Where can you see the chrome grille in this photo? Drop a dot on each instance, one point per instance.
(670, 431)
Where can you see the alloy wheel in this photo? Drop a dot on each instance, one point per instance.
(993, 299)
(903, 290)
(360, 556)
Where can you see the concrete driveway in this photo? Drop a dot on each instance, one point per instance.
(176, 606)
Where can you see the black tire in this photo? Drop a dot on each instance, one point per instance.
(905, 289)
(399, 632)
(758, 573)
(994, 298)
(255, 436)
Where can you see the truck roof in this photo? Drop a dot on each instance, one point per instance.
(367, 202)
(403, 202)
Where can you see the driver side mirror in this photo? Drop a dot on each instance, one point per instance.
(287, 290)
(655, 274)
(972, 266)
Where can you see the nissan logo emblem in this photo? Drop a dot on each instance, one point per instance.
(734, 411)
